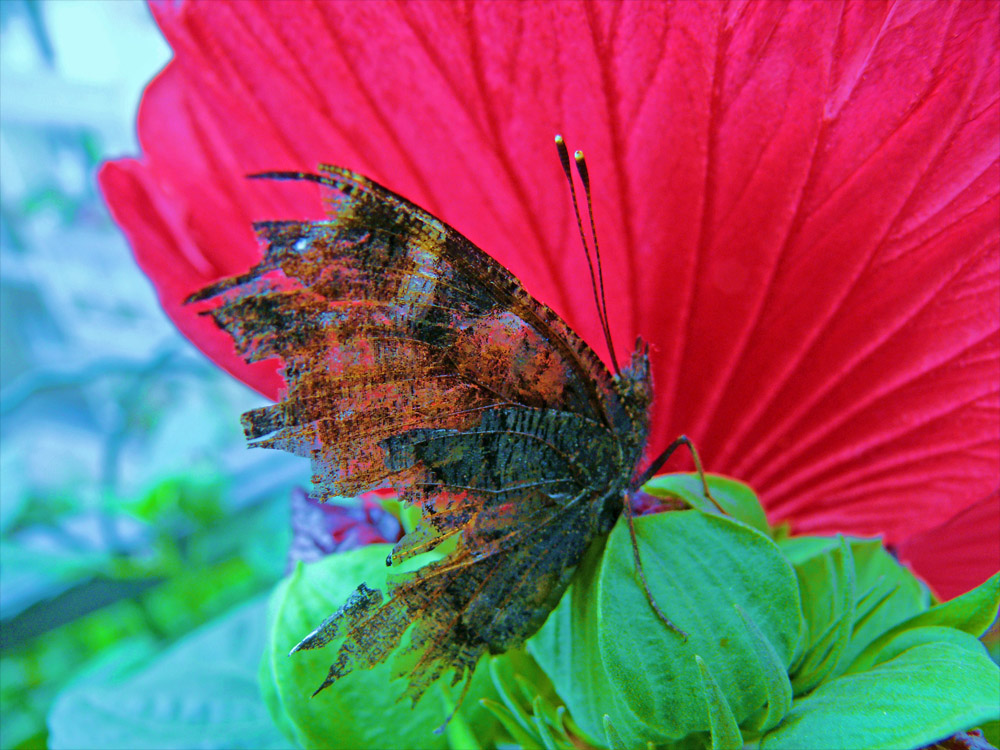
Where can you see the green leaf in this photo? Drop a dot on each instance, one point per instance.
(824, 652)
(973, 612)
(201, 693)
(524, 739)
(607, 652)
(614, 739)
(886, 594)
(544, 724)
(503, 688)
(722, 725)
(776, 682)
(798, 549)
(459, 733)
(927, 692)
(566, 648)
(907, 639)
(361, 709)
(991, 732)
(269, 694)
(541, 726)
(817, 570)
(991, 639)
(738, 500)
(552, 717)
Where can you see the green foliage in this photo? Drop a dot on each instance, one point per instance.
(840, 624)
(791, 643)
(735, 498)
(927, 692)
(361, 709)
(777, 685)
(972, 613)
(200, 693)
(723, 730)
(180, 500)
(607, 652)
(533, 719)
(809, 642)
(193, 570)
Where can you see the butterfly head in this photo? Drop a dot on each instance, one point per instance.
(636, 391)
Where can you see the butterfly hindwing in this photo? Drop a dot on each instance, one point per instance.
(414, 360)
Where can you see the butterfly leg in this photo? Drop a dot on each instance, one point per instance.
(642, 575)
(645, 477)
(662, 459)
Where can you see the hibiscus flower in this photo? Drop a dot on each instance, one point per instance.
(797, 206)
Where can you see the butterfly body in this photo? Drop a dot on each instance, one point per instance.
(416, 361)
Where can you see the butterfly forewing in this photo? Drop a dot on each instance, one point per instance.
(414, 360)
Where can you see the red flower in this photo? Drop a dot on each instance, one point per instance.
(797, 204)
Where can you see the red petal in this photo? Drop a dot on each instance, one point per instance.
(960, 553)
(797, 205)
(841, 346)
(165, 251)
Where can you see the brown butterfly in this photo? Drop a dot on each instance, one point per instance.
(416, 361)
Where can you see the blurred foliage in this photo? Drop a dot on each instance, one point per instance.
(131, 513)
(198, 565)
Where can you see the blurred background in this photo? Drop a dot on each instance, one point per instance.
(138, 536)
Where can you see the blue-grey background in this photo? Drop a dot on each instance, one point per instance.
(135, 528)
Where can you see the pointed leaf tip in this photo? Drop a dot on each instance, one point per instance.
(615, 741)
(774, 673)
(722, 724)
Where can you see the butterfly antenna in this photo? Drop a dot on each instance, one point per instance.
(598, 296)
(581, 167)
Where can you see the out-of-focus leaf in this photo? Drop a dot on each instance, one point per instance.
(459, 733)
(360, 710)
(27, 577)
(201, 693)
(13, 489)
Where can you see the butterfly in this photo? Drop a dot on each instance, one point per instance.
(414, 360)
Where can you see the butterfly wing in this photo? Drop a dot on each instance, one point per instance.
(414, 360)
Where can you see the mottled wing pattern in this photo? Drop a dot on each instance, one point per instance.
(414, 360)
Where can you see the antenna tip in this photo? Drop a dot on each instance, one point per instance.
(581, 167)
(564, 157)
